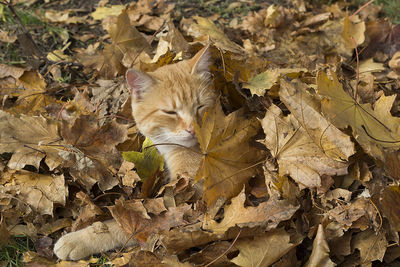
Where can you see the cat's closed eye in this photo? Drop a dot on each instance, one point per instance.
(199, 108)
(169, 112)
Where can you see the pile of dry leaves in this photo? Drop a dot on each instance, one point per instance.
(301, 168)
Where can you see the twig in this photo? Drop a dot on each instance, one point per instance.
(226, 251)
(362, 7)
(25, 31)
(357, 69)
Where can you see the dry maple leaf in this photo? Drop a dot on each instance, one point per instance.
(30, 139)
(263, 250)
(228, 159)
(353, 32)
(390, 203)
(294, 149)
(331, 140)
(126, 41)
(320, 252)
(40, 191)
(132, 217)
(372, 245)
(92, 156)
(34, 98)
(206, 27)
(268, 214)
(374, 129)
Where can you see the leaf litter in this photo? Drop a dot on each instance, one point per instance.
(308, 176)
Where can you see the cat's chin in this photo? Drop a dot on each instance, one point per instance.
(188, 142)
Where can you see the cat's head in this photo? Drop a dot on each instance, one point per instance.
(166, 102)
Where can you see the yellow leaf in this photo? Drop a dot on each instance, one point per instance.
(320, 252)
(263, 250)
(205, 26)
(373, 128)
(353, 33)
(370, 66)
(58, 55)
(103, 12)
(265, 80)
(272, 15)
(228, 160)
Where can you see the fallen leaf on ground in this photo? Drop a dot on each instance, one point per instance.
(30, 139)
(148, 162)
(268, 214)
(320, 252)
(294, 149)
(263, 250)
(373, 128)
(228, 160)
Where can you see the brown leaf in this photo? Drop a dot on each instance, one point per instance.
(40, 191)
(4, 234)
(390, 205)
(373, 128)
(268, 214)
(331, 140)
(372, 246)
(30, 139)
(126, 40)
(206, 27)
(263, 250)
(228, 159)
(93, 156)
(294, 149)
(320, 252)
(133, 219)
(88, 213)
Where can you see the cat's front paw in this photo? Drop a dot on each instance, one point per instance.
(72, 246)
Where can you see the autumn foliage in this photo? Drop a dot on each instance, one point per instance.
(300, 157)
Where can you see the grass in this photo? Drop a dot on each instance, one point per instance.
(391, 8)
(12, 252)
(34, 21)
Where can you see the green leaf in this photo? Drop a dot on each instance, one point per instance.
(147, 162)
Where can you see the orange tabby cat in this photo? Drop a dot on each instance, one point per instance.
(165, 104)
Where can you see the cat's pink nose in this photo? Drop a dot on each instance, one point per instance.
(191, 130)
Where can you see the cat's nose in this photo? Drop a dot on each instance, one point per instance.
(190, 130)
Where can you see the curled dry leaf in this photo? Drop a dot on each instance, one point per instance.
(206, 27)
(126, 41)
(133, 219)
(30, 139)
(320, 252)
(373, 128)
(93, 156)
(40, 191)
(265, 80)
(268, 214)
(228, 160)
(263, 250)
(294, 149)
(34, 98)
(353, 31)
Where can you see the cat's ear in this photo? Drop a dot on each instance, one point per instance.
(200, 63)
(138, 82)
